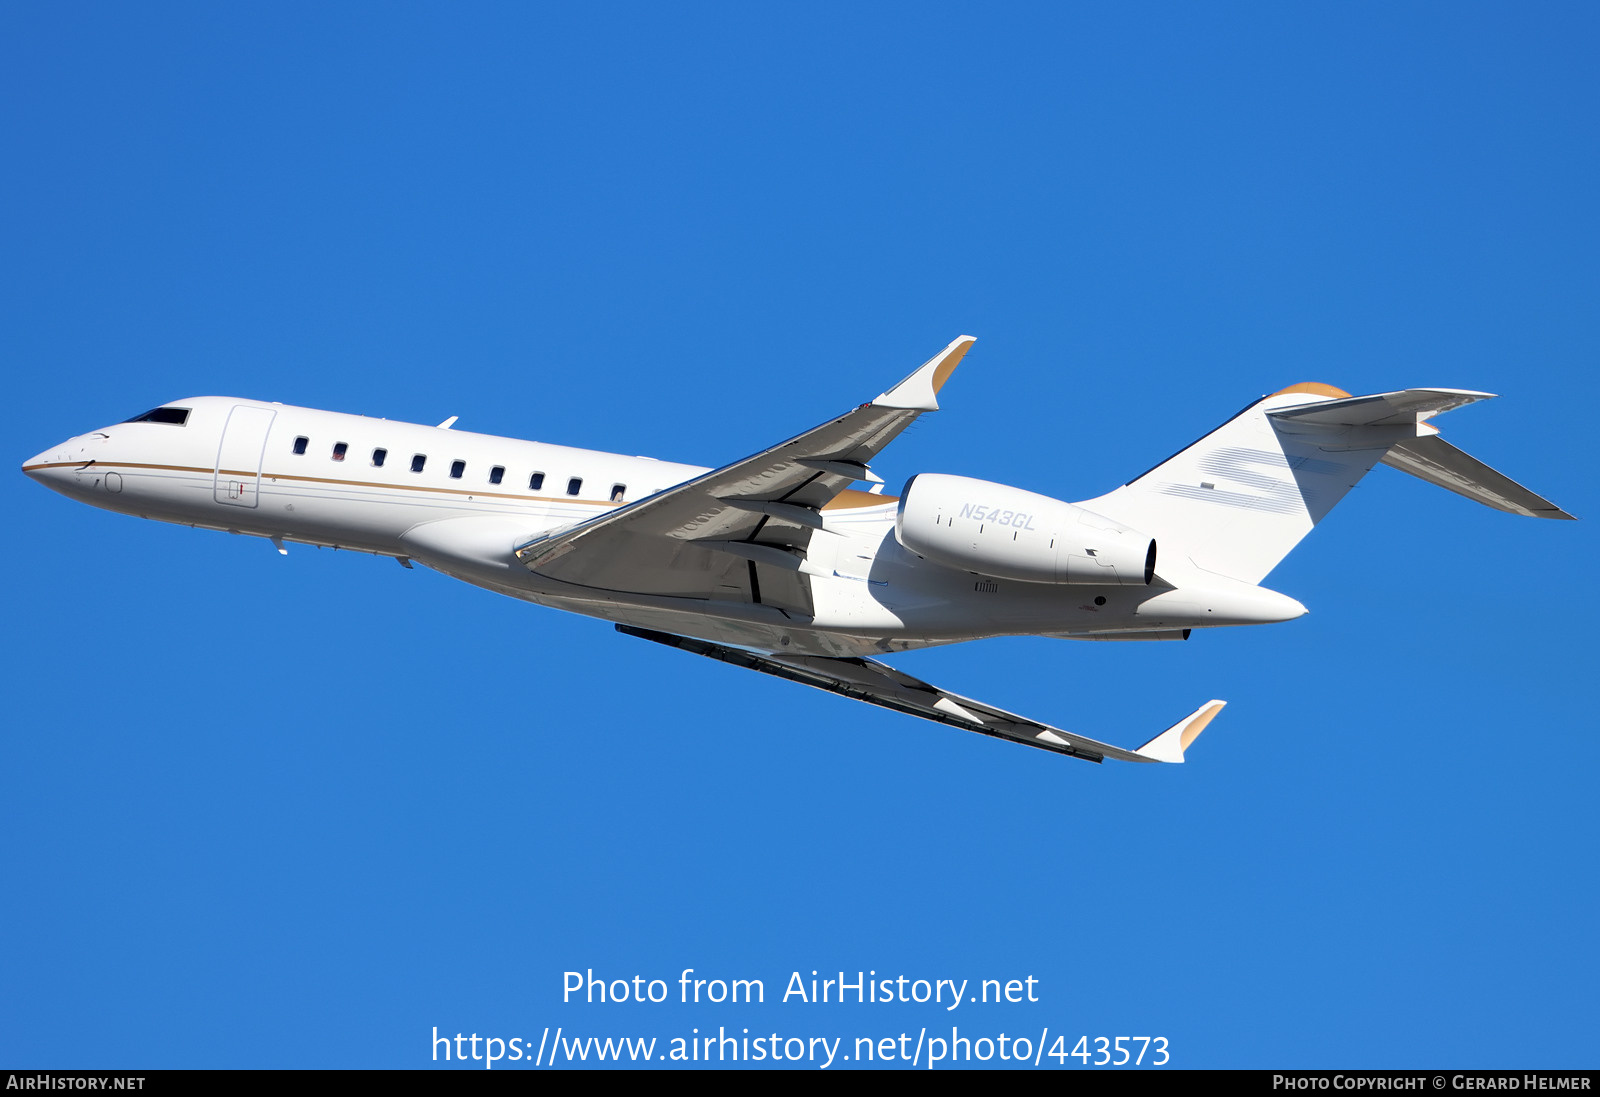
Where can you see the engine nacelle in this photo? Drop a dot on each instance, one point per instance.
(1009, 533)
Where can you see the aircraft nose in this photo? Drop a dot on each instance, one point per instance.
(35, 466)
(55, 467)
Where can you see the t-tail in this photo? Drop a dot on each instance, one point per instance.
(1238, 500)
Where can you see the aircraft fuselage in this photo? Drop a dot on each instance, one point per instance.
(461, 502)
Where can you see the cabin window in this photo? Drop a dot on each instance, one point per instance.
(176, 417)
(497, 474)
(536, 481)
(339, 450)
(418, 461)
(379, 456)
(301, 443)
(618, 491)
(574, 485)
(456, 469)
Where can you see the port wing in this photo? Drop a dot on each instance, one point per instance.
(878, 684)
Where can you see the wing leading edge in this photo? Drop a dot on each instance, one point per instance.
(878, 684)
(739, 533)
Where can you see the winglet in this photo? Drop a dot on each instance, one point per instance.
(1170, 744)
(919, 392)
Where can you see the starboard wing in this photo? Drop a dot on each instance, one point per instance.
(739, 533)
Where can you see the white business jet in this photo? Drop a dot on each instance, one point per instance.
(777, 562)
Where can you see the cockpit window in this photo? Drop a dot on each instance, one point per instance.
(176, 416)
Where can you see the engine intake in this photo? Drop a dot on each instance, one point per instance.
(1008, 533)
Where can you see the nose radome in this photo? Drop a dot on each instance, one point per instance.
(56, 467)
(33, 465)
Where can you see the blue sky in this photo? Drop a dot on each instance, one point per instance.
(298, 812)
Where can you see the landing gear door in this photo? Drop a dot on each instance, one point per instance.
(244, 441)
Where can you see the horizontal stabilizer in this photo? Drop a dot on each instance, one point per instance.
(1236, 501)
(1438, 462)
(882, 685)
(1385, 409)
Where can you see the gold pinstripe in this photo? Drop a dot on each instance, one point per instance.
(243, 474)
(848, 499)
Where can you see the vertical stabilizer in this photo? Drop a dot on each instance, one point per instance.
(1238, 500)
